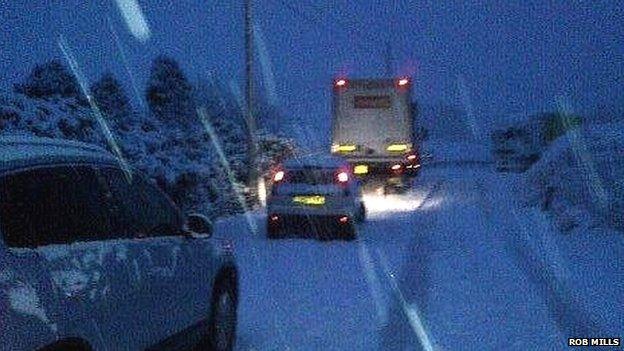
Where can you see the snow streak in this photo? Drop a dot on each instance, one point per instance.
(82, 82)
(126, 64)
(135, 20)
(214, 138)
(583, 156)
(267, 68)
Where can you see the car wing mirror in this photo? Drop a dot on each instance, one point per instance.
(198, 224)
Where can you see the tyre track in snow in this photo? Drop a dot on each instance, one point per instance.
(452, 233)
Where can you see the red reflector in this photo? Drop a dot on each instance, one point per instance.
(278, 176)
(343, 219)
(343, 177)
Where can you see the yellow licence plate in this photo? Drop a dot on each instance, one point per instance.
(315, 200)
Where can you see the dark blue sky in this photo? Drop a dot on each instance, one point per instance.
(513, 56)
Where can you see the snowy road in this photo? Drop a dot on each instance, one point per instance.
(435, 269)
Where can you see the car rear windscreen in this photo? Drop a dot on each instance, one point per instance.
(311, 176)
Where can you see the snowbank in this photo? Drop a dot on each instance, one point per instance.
(445, 151)
(579, 178)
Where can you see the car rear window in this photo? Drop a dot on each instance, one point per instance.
(311, 176)
(52, 206)
(140, 208)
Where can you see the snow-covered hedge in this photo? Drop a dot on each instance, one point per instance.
(579, 179)
(168, 142)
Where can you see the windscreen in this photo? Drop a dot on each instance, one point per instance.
(311, 176)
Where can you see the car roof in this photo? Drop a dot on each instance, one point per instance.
(25, 151)
(321, 161)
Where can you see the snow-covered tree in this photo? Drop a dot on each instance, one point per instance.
(169, 94)
(225, 117)
(172, 148)
(110, 97)
(49, 80)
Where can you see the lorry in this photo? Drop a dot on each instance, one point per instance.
(373, 129)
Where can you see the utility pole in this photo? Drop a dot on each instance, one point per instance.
(389, 68)
(249, 113)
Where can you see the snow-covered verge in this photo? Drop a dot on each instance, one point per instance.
(579, 179)
(445, 151)
(572, 203)
(518, 144)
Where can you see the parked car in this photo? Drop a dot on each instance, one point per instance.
(316, 189)
(95, 256)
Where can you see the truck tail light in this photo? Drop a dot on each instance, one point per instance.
(398, 147)
(343, 148)
(360, 169)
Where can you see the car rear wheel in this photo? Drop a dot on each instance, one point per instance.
(272, 229)
(346, 231)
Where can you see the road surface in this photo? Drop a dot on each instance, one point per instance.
(439, 268)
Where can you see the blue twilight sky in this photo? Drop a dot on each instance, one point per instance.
(501, 57)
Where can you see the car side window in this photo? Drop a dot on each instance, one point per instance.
(52, 205)
(140, 209)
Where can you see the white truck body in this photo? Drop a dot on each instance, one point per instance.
(372, 120)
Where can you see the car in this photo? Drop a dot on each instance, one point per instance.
(317, 189)
(94, 256)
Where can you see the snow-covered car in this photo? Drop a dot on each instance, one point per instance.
(94, 256)
(321, 190)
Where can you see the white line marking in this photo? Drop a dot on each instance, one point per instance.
(374, 285)
(411, 311)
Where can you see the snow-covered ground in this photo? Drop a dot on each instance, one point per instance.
(455, 264)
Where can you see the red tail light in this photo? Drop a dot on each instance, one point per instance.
(340, 83)
(411, 157)
(403, 83)
(342, 177)
(279, 176)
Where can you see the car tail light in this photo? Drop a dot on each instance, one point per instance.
(396, 167)
(340, 83)
(279, 176)
(411, 157)
(343, 219)
(274, 218)
(342, 177)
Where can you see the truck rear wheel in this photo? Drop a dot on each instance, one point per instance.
(361, 215)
